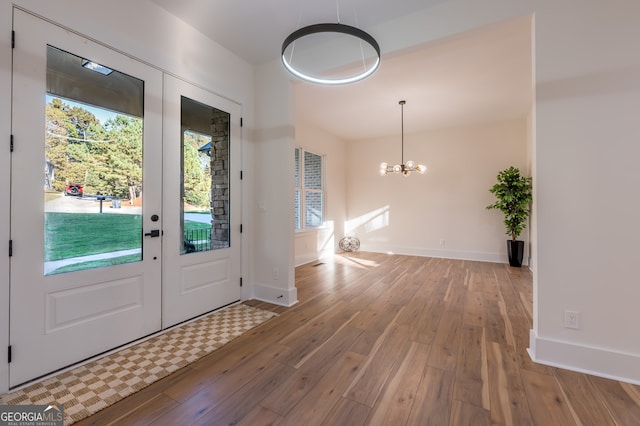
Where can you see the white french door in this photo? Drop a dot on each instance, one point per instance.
(86, 198)
(202, 202)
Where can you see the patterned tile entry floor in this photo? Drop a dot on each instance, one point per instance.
(91, 387)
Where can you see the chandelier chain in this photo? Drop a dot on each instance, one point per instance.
(402, 130)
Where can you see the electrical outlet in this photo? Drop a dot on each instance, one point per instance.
(572, 319)
(442, 242)
(276, 273)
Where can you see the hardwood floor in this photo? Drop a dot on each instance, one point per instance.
(385, 340)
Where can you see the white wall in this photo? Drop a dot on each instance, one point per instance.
(588, 98)
(271, 208)
(531, 171)
(441, 213)
(315, 244)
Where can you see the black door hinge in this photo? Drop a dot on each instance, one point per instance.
(240, 121)
(241, 228)
(10, 248)
(11, 143)
(241, 174)
(9, 354)
(240, 281)
(13, 39)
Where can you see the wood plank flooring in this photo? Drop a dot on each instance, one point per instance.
(382, 339)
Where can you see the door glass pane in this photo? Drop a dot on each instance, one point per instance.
(205, 177)
(92, 165)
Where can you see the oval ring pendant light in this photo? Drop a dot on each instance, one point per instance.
(331, 28)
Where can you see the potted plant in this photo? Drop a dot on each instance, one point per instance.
(514, 194)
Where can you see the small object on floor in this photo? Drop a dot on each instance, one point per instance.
(349, 244)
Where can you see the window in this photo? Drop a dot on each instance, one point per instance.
(309, 189)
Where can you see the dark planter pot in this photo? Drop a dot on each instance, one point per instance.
(515, 250)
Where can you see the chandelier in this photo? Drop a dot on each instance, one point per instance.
(343, 40)
(404, 168)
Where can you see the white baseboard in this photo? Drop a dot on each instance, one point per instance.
(585, 359)
(275, 295)
(301, 260)
(441, 253)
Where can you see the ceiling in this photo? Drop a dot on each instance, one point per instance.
(255, 29)
(481, 76)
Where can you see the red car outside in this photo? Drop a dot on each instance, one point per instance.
(74, 189)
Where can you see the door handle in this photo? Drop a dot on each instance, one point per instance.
(154, 233)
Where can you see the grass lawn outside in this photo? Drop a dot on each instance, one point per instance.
(188, 226)
(98, 263)
(81, 234)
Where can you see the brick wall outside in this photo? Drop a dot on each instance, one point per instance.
(312, 171)
(220, 162)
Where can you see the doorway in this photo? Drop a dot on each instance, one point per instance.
(93, 231)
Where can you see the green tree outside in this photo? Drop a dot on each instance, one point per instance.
(196, 170)
(107, 158)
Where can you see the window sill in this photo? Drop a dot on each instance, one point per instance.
(309, 230)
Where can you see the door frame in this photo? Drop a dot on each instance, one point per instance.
(5, 176)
